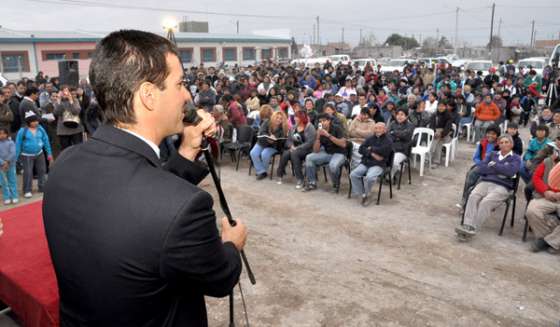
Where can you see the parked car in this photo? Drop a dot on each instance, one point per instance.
(396, 64)
(536, 63)
(479, 65)
(3, 80)
(361, 63)
(340, 59)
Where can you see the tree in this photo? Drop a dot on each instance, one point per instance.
(496, 42)
(430, 43)
(444, 43)
(369, 40)
(405, 42)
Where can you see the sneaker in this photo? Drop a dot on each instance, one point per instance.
(310, 187)
(27, 195)
(261, 176)
(14, 201)
(6, 202)
(365, 200)
(465, 231)
(299, 185)
(539, 245)
(279, 181)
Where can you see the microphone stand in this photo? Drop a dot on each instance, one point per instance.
(225, 208)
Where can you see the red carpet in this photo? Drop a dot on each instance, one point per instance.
(27, 279)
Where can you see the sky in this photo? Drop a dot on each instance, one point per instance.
(421, 19)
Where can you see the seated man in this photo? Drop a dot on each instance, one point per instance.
(483, 149)
(486, 114)
(329, 148)
(375, 151)
(497, 173)
(441, 123)
(542, 212)
(401, 131)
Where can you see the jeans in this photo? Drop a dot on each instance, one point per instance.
(261, 157)
(296, 156)
(40, 165)
(369, 175)
(316, 159)
(9, 183)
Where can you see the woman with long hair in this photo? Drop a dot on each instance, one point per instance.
(298, 145)
(272, 134)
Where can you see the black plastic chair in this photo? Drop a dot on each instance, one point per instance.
(512, 197)
(385, 175)
(243, 143)
(272, 163)
(407, 162)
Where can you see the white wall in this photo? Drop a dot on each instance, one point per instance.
(196, 59)
(32, 62)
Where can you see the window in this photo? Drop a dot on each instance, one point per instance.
(75, 55)
(208, 54)
(229, 54)
(283, 53)
(186, 55)
(89, 54)
(55, 56)
(266, 54)
(249, 54)
(15, 61)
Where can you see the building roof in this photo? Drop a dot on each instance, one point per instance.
(13, 36)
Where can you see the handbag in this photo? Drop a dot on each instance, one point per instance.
(70, 120)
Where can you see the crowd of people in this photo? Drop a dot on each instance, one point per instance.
(334, 117)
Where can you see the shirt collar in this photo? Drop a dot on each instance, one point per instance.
(150, 143)
(501, 157)
(28, 98)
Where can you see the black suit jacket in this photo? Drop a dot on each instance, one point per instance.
(132, 243)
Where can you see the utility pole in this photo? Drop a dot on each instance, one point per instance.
(491, 31)
(437, 34)
(237, 25)
(318, 33)
(360, 37)
(314, 40)
(532, 33)
(342, 37)
(456, 30)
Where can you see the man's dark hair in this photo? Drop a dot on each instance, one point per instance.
(324, 116)
(493, 128)
(329, 105)
(543, 127)
(121, 62)
(31, 90)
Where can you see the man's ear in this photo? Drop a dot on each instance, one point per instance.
(148, 94)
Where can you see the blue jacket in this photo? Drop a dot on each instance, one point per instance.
(502, 172)
(7, 152)
(32, 144)
(477, 157)
(534, 147)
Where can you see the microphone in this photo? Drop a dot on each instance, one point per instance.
(191, 116)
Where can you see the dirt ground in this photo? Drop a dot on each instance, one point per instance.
(323, 260)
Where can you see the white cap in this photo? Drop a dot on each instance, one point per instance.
(29, 114)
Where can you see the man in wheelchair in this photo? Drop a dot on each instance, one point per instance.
(497, 173)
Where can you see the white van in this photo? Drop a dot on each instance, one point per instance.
(340, 59)
(537, 63)
(361, 63)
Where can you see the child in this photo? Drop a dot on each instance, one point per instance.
(513, 130)
(8, 167)
(31, 143)
(536, 144)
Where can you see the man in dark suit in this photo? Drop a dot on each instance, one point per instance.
(134, 243)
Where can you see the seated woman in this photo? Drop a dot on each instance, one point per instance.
(497, 173)
(271, 134)
(298, 145)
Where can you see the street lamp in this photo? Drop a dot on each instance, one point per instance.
(169, 25)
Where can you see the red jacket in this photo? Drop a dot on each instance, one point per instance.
(541, 185)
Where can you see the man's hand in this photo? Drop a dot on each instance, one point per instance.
(550, 196)
(556, 195)
(50, 158)
(376, 156)
(236, 234)
(192, 135)
(323, 132)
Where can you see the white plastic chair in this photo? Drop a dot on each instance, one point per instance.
(450, 146)
(422, 150)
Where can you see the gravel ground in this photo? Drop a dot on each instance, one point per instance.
(323, 260)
